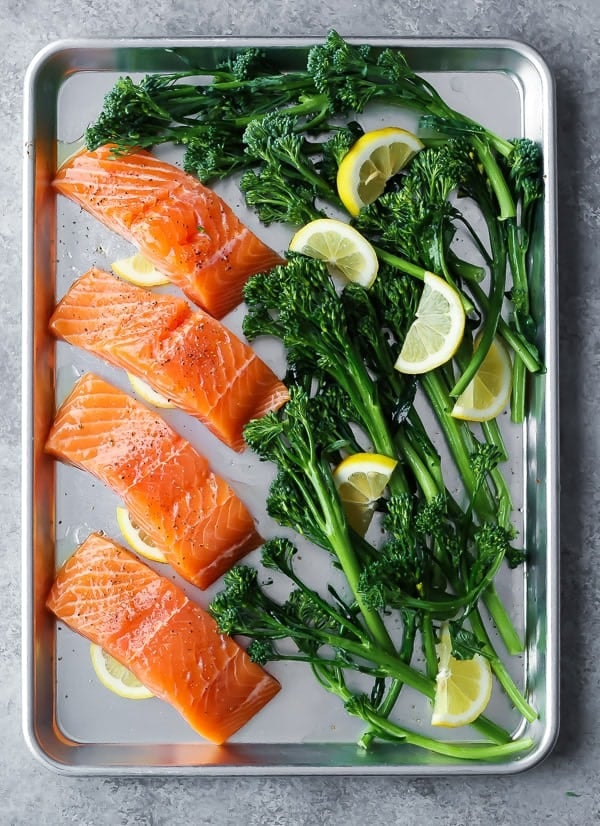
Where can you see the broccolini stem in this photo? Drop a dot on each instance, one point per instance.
(393, 664)
(426, 482)
(353, 375)
(476, 240)
(431, 457)
(502, 146)
(289, 81)
(461, 268)
(482, 724)
(428, 636)
(343, 621)
(517, 251)
(364, 398)
(496, 178)
(499, 669)
(446, 606)
(496, 300)
(498, 614)
(333, 681)
(341, 545)
(500, 617)
(462, 751)
(503, 495)
(493, 436)
(405, 653)
(518, 393)
(444, 270)
(452, 429)
(465, 269)
(527, 352)
(401, 263)
(310, 660)
(321, 186)
(502, 621)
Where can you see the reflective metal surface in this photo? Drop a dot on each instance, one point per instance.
(71, 723)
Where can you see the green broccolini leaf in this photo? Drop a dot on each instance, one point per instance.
(395, 297)
(335, 147)
(309, 611)
(401, 564)
(464, 643)
(275, 201)
(278, 554)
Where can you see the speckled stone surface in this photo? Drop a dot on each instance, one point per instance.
(564, 789)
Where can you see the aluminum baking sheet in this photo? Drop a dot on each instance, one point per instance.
(70, 722)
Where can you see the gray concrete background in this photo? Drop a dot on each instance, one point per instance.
(564, 789)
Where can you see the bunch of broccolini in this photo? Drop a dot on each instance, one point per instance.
(284, 134)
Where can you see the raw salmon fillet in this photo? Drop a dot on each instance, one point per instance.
(189, 357)
(189, 512)
(171, 644)
(184, 228)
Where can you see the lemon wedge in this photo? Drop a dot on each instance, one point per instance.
(136, 538)
(436, 333)
(345, 251)
(488, 392)
(367, 167)
(116, 677)
(360, 480)
(139, 271)
(145, 392)
(462, 687)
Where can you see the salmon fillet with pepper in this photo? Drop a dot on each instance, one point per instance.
(189, 357)
(169, 489)
(184, 228)
(170, 643)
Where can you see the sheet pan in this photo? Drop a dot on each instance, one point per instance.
(70, 722)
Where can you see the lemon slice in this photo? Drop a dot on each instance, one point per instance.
(116, 677)
(144, 391)
(137, 539)
(436, 333)
(367, 167)
(462, 687)
(345, 251)
(488, 392)
(138, 270)
(360, 480)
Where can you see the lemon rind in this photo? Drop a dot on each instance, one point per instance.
(133, 540)
(135, 692)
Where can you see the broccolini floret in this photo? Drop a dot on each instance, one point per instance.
(298, 303)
